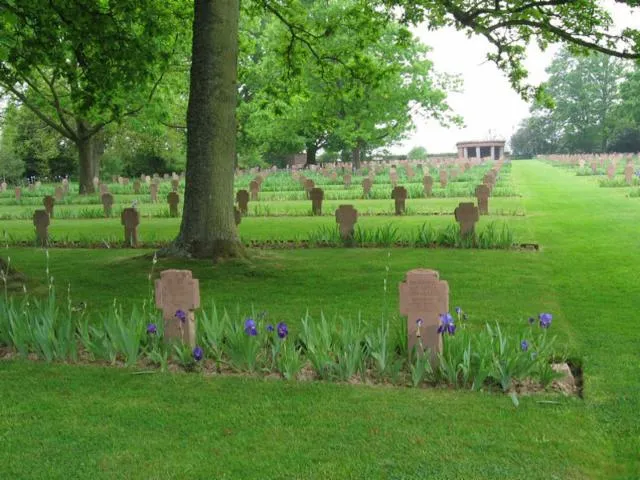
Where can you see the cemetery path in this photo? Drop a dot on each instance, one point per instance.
(590, 242)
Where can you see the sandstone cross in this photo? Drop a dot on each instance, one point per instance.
(175, 183)
(242, 197)
(18, 192)
(48, 203)
(346, 218)
(466, 215)
(628, 173)
(427, 183)
(136, 187)
(317, 195)
(59, 194)
(41, 222)
(153, 190)
(399, 194)
(254, 188)
(366, 186)
(347, 180)
(107, 203)
(173, 199)
(130, 218)
(423, 298)
(482, 195)
(178, 295)
(443, 178)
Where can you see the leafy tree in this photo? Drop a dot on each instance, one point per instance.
(536, 135)
(417, 153)
(81, 65)
(509, 26)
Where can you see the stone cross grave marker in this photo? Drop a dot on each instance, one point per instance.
(166, 176)
(489, 179)
(120, 180)
(423, 298)
(581, 163)
(3, 186)
(136, 187)
(31, 187)
(443, 178)
(153, 190)
(178, 295)
(130, 219)
(466, 215)
(59, 194)
(317, 195)
(628, 173)
(308, 186)
(48, 202)
(175, 184)
(254, 188)
(410, 172)
(482, 195)
(147, 179)
(173, 199)
(41, 222)
(399, 194)
(346, 218)
(104, 188)
(38, 184)
(107, 203)
(18, 193)
(65, 186)
(366, 186)
(242, 197)
(427, 183)
(125, 181)
(611, 171)
(594, 167)
(347, 180)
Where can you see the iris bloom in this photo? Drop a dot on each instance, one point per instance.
(181, 315)
(524, 345)
(446, 324)
(250, 327)
(197, 354)
(152, 329)
(283, 331)
(545, 320)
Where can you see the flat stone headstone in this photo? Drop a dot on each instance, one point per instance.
(399, 195)
(59, 194)
(254, 188)
(107, 203)
(173, 199)
(41, 222)
(367, 183)
(136, 187)
(130, 219)
(153, 191)
(178, 295)
(467, 215)
(346, 218)
(316, 195)
(423, 298)
(242, 197)
(49, 202)
(443, 178)
(427, 183)
(482, 196)
(18, 193)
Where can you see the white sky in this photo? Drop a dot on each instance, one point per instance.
(487, 103)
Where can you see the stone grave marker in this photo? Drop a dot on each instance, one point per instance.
(308, 186)
(594, 167)
(153, 190)
(628, 173)
(31, 187)
(130, 219)
(41, 222)
(173, 199)
(3, 186)
(107, 203)
(147, 179)
(410, 172)
(316, 195)
(581, 163)
(18, 193)
(466, 215)
(393, 176)
(366, 186)
(346, 218)
(175, 184)
(347, 180)
(166, 176)
(48, 202)
(482, 195)
(423, 298)
(254, 188)
(242, 197)
(611, 171)
(120, 180)
(59, 194)
(443, 178)
(399, 194)
(65, 186)
(427, 183)
(125, 181)
(178, 295)
(104, 188)
(136, 187)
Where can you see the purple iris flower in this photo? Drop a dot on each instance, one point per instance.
(524, 345)
(152, 329)
(446, 324)
(181, 315)
(545, 320)
(250, 327)
(283, 331)
(269, 328)
(197, 354)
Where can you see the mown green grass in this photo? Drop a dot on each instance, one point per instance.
(87, 421)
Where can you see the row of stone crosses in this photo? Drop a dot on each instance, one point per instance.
(423, 299)
(599, 161)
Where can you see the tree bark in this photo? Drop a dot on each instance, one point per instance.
(356, 156)
(208, 227)
(312, 150)
(89, 155)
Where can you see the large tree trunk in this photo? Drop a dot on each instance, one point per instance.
(208, 227)
(89, 154)
(312, 151)
(356, 155)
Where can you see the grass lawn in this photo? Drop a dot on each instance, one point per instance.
(69, 421)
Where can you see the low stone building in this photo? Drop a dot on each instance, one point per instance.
(493, 149)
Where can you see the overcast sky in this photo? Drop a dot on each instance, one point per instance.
(487, 103)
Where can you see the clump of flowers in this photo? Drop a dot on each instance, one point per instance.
(283, 331)
(524, 345)
(545, 320)
(250, 327)
(152, 329)
(447, 324)
(198, 354)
